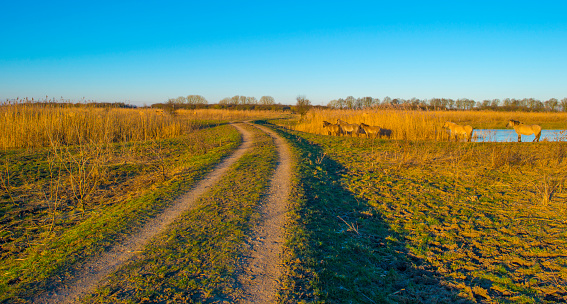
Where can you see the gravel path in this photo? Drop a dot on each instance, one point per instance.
(262, 269)
(88, 277)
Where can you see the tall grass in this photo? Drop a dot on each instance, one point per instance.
(232, 115)
(31, 125)
(425, 125)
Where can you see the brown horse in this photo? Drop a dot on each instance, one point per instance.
(371, 130)
(350, 128)
(385, 132)
(522, 129)
(332, 129)
(457, 130)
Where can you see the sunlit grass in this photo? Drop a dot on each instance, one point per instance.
(426, 125)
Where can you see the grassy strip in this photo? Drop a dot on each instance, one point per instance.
(24, 277)
(196, 259)
(397, 221)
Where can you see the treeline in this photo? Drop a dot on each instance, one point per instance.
(244, 100)
(189, 100)
(53, 102)
(260, 107)
(508, 104)
(237, 102)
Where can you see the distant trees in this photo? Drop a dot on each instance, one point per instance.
(367, 102)
(191, 100)
(351, 103)
(508, 104)
(245, 100)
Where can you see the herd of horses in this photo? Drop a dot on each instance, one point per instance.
(345, 128)
(456, 130)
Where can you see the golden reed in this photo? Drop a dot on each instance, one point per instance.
(424, 125)
(31, 126)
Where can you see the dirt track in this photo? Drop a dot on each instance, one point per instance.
(92, 273)
(262, 269)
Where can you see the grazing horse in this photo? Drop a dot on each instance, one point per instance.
(457, 130)
(522, 129)
(333, 129)
(352, 128)
(371, 130)
(385, 132)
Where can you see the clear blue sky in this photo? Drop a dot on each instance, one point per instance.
(147, 52)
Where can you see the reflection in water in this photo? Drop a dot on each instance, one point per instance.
(509, 135)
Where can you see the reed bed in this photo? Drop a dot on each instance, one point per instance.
(425, 125)
(31, 126)
(231, 115)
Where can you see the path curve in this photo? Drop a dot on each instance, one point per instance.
(262, 269)
(89, 276)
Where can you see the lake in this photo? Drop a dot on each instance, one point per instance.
(509, 135)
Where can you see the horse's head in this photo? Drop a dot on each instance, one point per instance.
(512, 123)
(326, 123)
(447, 124)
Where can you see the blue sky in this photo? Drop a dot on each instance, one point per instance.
(147, 52)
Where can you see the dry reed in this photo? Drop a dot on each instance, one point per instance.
(423, 125)
(31, 126)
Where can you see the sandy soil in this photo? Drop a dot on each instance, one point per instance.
(87, 277)
(262, 268)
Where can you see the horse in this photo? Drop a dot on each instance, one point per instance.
(457, 130)
(371, 130)
(385, 132)
(522, 129)
(346, 127)
(333, 129)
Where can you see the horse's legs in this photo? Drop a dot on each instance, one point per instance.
(519, 138)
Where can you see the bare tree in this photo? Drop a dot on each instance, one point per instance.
(551, 104)
(267, 100)
(251, 100)
(196, 99)
(564, 104)
(180, 100)
(303, 105)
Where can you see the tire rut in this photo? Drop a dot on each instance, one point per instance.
(262, 268)
(88, 276)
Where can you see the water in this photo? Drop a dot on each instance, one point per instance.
(509, 135)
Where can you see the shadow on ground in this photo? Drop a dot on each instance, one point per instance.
(340, 250)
